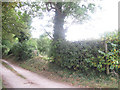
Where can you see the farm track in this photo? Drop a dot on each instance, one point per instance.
(26, 79)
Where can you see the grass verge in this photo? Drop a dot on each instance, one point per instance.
(75, 78)
(14, 71)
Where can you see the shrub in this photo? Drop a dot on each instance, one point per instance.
(111, 58)
(6, 45)
(75, 55)
(87, 55)
(22, 51)
(43, 44)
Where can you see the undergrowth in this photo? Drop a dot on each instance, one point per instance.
(76, 78)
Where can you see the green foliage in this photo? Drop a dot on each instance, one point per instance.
(14, 25)
(88, 54)
(13, 22)
(110, 58)
(43, 44)
(6, 45)
(74, 55)
(77, 9)
(22, 51)
(15, 28)
(33, 43)
(39, 65)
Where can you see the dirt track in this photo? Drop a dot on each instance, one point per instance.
(32, 80)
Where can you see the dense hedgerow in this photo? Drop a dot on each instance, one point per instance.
(75, 55)
(87, 55)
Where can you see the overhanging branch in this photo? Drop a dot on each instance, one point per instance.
(47, 33)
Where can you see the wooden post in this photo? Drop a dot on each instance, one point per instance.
(107, 66)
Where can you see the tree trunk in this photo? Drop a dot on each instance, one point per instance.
(59, 32)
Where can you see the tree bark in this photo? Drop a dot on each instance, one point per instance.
(59, 32)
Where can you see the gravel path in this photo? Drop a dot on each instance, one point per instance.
(31, 80)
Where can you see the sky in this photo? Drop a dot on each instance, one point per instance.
(103, 20)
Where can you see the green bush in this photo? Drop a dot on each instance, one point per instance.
(43, 44)
(22, 51)
(113, 52)
(87, 55)
(75, 55)
(111, 58)
(6, 45)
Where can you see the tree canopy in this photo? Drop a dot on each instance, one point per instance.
(15, 25)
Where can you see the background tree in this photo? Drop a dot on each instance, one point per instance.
(15, 25)
(78, 10)
(63, 10)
